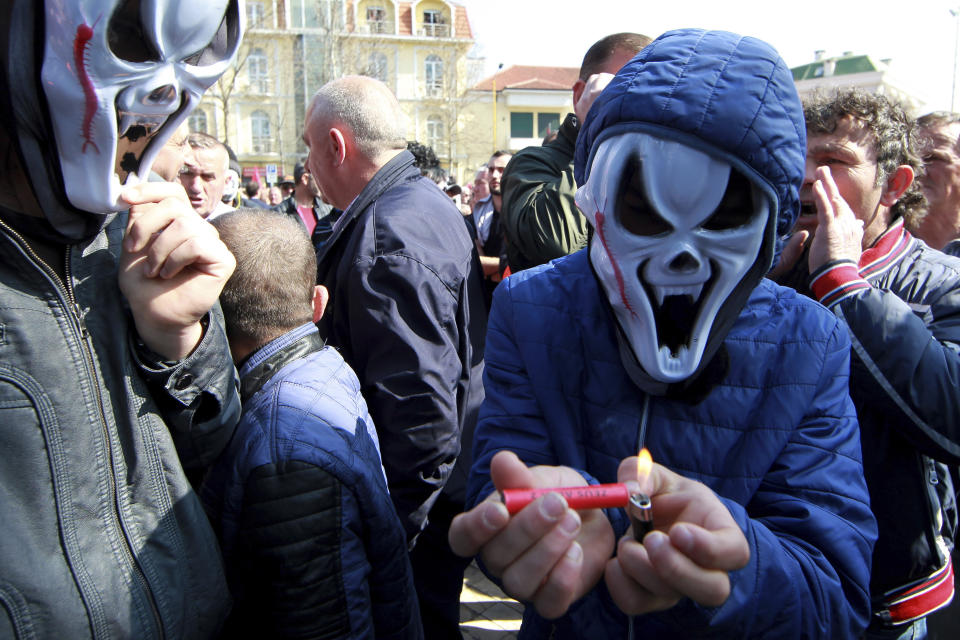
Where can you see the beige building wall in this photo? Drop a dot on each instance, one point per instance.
(418, 48)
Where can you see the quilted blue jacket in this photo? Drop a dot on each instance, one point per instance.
(311, 541)
(775, 437)
(777, 440)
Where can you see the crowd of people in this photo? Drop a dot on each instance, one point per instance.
(293, 410)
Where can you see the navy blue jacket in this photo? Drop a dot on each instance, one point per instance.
(406, 311)
(312, 544)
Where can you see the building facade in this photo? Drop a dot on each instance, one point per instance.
(517, 107)
(292, 47)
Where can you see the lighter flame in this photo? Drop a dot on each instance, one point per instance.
(644, 465)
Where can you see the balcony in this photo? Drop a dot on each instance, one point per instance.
(433, 90)
(435, 30)
(375, 27)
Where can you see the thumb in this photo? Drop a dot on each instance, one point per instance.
(508, 472)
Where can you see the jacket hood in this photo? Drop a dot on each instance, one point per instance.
(727, 95)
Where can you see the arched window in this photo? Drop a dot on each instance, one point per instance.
(377, 66)
(434, 132)
(198, 121)
(260, 132)
(433, 73)
(257, 71)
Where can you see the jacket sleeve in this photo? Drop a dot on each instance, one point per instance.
(197, 396)
(540, 218)
(408, 375)
(912, 355)
(810, 530)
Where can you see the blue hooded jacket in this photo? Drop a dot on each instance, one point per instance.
(775, 438)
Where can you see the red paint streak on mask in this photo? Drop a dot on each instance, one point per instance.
(601, 220)
(84, 34)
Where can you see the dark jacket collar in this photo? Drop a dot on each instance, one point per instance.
(399, 167)
(276, 354)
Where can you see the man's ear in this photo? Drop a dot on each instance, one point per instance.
(578, 87)
(897, 183)
(320, 298)
(338, 146)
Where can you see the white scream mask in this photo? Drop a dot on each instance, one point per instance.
(120, 76)
(676, 231)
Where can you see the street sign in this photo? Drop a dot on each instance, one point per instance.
(271, 174)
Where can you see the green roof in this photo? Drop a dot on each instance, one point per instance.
(844, 66)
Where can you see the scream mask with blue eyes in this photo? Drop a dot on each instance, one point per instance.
(678, 245)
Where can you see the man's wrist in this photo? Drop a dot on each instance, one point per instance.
(170, 345)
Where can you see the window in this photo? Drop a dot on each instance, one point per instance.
(521, 124)
(257, 71)
(309, 13)
(433, 25)
(524, 124)
(434, 131)
(547, 122)
(434, 75)
(377, 66)
(260, 132)
(376, 20)
(198, 121)
(254, 14)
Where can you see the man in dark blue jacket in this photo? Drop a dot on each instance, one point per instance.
(311, 541)
(664, 335)
(406, 305)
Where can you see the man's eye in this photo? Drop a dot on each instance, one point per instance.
(736, 207)
(632, 207)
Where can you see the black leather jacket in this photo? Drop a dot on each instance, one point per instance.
(101, 535)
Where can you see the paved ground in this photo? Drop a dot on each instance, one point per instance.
(485, 612)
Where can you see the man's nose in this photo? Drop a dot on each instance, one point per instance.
(809, 172)
(193, 185)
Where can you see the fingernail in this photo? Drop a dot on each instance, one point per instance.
(570, 523)
(574, 553)
(681, 537)
(552, 506)
(495, 515)
(654, 541)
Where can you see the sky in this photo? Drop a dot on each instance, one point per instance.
(919, 36)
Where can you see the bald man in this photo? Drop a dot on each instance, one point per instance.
(406, 309)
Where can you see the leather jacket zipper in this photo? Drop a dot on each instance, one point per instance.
(88, 356)
(75, 313)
